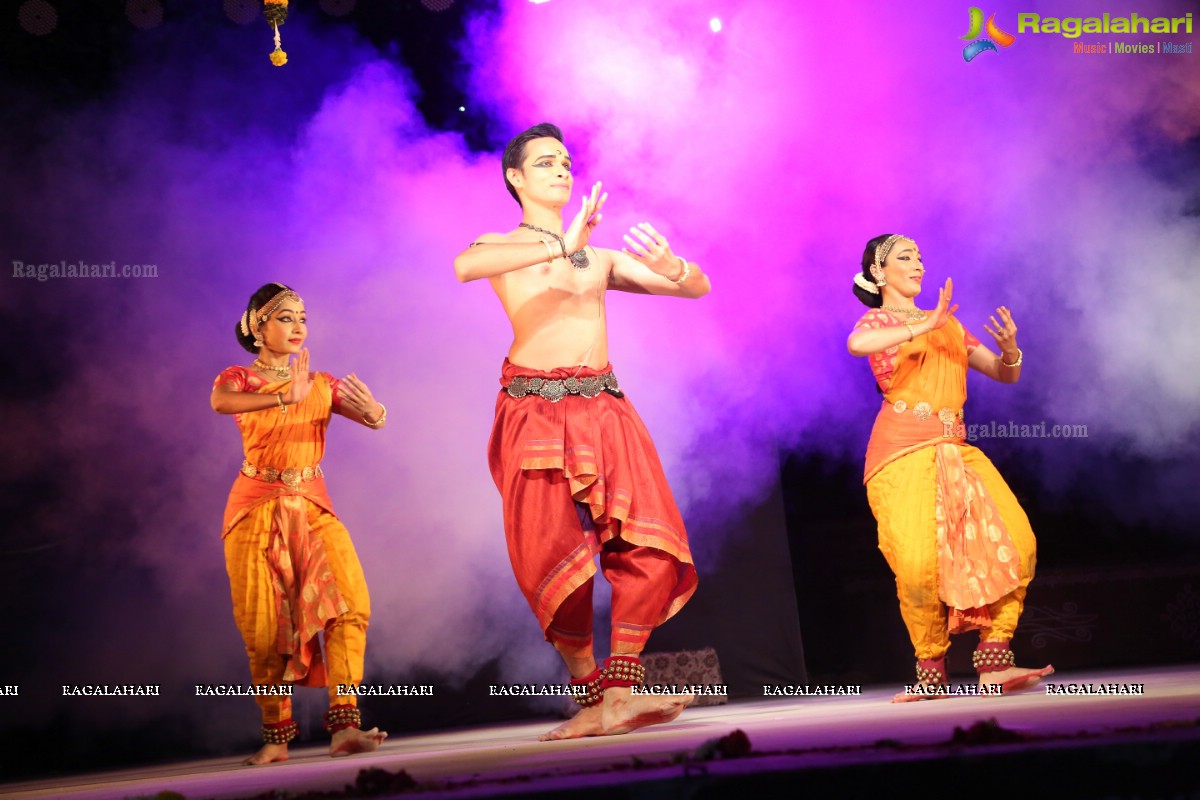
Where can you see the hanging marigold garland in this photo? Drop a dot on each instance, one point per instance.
(276, 13)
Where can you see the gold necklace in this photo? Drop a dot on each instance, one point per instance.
(282, 371)
(911, 313)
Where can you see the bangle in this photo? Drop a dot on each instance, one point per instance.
(911, 334)
(282, 407)
(1017, 363)
(687, 270)
(378, 422)
(549, 252)
(561, 244)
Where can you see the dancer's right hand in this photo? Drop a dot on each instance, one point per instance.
(580, 230)
(301, 383)
(940, 315)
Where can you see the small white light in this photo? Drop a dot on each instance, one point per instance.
(462, 108)
(715, 25)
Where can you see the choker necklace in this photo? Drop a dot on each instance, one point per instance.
(283, 372)
(911, 313)
(579, 259)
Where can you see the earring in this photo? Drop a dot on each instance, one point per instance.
(880, 280)
(258, 342)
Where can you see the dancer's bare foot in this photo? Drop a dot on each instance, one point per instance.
(268, 754)
(622, 711)
(349, 741)
(1015, 679)
(585, 723)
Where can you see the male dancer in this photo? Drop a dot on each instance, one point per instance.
(576, 469)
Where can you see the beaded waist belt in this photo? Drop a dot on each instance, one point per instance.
(555, 390)
(924, 411)
(289, 477)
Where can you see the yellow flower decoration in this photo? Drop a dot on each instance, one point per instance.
(276, 14)
(275, 11)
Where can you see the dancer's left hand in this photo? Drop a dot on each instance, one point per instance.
(1006, 334)
(652, 249)
(356, 395)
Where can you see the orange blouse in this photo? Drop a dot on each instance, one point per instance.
(924, 384)
(282, 451)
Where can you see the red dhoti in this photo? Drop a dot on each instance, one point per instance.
(580, 478)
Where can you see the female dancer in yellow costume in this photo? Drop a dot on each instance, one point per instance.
(292, 568)
(950, 528)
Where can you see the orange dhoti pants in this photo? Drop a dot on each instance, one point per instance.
(579, 478)
(333, 600)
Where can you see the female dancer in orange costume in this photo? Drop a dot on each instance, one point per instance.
(292, 568)
(950, 528)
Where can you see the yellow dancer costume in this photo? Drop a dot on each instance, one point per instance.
(957, 540)
(949, 526)
(292, 568)
(293, 571)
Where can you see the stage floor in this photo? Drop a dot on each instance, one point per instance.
(788, 737)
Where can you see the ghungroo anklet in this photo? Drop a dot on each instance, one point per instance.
(341, 717)
(594, 695)
(992, 657)
(622, 671)
(280, 732)
(931, 671)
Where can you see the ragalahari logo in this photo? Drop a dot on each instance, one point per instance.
(995, 34)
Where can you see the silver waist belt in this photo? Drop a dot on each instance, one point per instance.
(555, 390)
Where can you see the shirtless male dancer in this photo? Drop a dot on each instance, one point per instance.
(576, 469)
